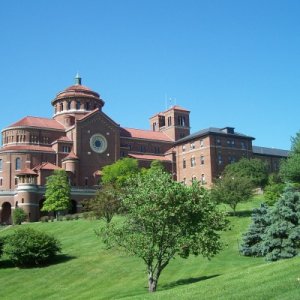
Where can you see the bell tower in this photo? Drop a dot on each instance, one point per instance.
(174, 122)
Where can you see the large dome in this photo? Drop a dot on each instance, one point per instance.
(77, 91)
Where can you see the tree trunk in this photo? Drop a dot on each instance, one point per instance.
(152, 282)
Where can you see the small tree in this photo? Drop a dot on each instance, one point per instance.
(105, 204)
(18, 216)
(163, 219)
(58, 192)
(254, 170)
(118, 172)
(232, 190)
(282, 237)
(253, 238)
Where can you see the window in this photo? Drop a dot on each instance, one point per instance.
(184, 163)
(201, 143)
(66, 149)
(77, 104)
(1, 164)
(154, 126)
(230, 143)
(220, 160)
(203, 179)
(181, 120)
(86, 181)
(184, 181)
(143, 148)
(231, 159)
(192, 145)
(218, 142)
(156, 149)
(202, 160)
(1, 181)
(61, 107)
(18, 163)
(169, 121)
(183, 148)
(69, 105)
(16, 181)
(193, 161)
(243, 145)
(87, 105)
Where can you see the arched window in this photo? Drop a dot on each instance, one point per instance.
(61, 107)
(87, 105)
(77, 104)
(69, 105)
(1, 165)
(18, 163)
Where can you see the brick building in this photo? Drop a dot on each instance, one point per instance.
(81, 139)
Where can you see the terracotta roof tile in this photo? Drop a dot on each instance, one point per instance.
(144, 134)
(27, 148)
(38, 122)
(46, 166)
(148, 157)
(64, 139)
(26, 171)
(71, 155)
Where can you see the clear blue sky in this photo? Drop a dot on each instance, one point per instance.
(232, 63)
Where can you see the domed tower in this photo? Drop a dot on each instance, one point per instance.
(75, 102)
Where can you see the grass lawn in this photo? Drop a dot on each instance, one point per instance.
(85, 270)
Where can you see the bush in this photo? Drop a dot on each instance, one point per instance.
(28, 247)
(18, 216)
(44, 219)
(1, 245)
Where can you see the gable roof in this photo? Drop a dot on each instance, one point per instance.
(144, 134)
(30, 121)
(46, 166)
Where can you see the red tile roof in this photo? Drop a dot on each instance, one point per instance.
(71, 155)
(78, 91)
(144, 134)
(27, 148)
(46, 166)
(64, 139)
(38, 122)
(148, 157)
(26, 171)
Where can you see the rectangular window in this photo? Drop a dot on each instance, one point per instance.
(1, 164)
(169, 121)
(1, 181)
(218, 142)
(66, 149)
(193, 162)
(183, 148)
(192, 145)
(202, 160)
(203, 179)
(181, 120)
(243, 145)
(184, 163)
(201, 143)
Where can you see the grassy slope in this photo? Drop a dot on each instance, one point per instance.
(90, 272)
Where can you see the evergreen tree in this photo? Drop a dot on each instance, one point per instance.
(282, 236)
(253, 238)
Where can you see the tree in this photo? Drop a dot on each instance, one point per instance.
(106, 202)
(282, 236)
(232, 190)
(253, 238)
(165, 218)
(254, 169)
(118, 172)
(290, 168)
(274, 189)
(58, 192)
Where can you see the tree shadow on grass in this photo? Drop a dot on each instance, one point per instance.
(186, 281)
(241, 213)
(58, 259)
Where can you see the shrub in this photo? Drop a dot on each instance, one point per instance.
(28, 247)
(18, 216)
(1, 245)
(44, 219)
(68, 217)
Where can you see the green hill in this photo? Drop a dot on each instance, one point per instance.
(85, 270)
